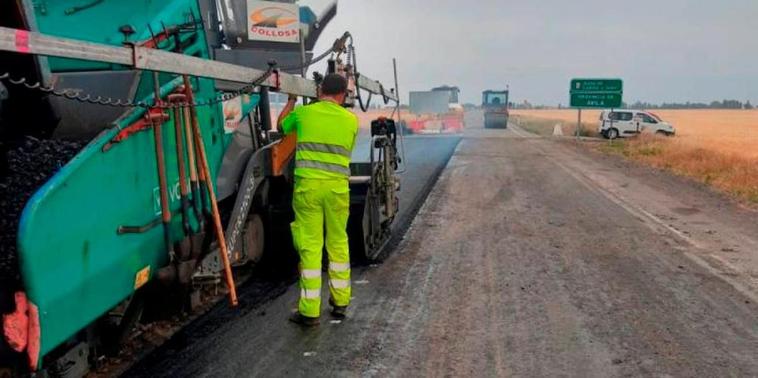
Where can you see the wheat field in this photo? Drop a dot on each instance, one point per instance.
(714, 146)
(725, 131)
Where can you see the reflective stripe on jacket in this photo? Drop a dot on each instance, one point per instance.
(326, 135)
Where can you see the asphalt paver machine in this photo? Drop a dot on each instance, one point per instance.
(137, 152)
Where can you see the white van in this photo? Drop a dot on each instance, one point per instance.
(624, 123)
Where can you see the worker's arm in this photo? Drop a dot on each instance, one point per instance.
(291, 101)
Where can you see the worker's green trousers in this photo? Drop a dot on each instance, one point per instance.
(321, 206)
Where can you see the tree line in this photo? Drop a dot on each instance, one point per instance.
(724, 104)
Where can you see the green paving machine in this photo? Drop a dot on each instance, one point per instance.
(137, 153)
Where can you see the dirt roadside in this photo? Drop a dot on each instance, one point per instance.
(547, 261)
(720, 232)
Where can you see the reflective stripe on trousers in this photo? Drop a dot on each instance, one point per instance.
(339, 284)
(310, 294)
(321, 206)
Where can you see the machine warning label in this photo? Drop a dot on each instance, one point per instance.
(140, 279)
(232, 114)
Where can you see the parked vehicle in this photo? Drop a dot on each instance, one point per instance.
(624, 123)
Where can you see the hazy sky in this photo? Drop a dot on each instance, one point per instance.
(665, 50)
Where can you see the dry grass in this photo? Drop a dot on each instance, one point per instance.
(539, 126)
(545, 126)
(728, 172)
(716, 147)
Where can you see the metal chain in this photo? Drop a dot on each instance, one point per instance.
(312, 62)
(109, 101)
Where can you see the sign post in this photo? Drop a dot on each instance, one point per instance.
(595, 94)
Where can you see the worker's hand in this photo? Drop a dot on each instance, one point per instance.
(291, 101)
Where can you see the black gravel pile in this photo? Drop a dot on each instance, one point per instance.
(31, 162)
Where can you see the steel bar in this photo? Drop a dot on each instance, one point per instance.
(399, 125)
(26, 42)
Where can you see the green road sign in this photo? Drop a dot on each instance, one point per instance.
(597, 85)
(596, 93)
(596, 100)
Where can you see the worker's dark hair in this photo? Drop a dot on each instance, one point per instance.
(333, 84)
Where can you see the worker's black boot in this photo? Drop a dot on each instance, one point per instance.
(305, 321)
(338, 312)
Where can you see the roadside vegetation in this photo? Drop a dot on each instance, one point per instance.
(727, 172)
(546, 126)
(715, 147)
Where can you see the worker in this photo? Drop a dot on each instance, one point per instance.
(326, 135)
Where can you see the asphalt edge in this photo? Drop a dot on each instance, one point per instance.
(418, 204)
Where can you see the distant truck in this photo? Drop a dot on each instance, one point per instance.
(435, 112)
(625, 123)
(495, 106)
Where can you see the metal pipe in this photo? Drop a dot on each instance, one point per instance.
(265, 107)
(399, 120)
(145, 58)
(162, 184)
(121, 230)
(303, 67)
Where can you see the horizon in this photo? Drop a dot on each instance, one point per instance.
(680, 52)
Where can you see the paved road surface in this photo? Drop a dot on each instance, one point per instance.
(424, 158)
(531, 257)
